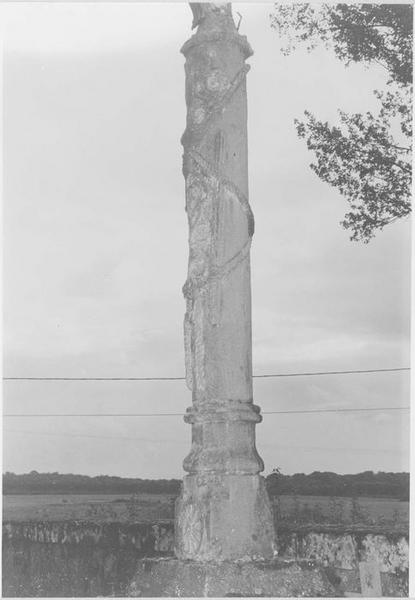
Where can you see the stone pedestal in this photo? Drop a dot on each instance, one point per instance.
(224, 517)
(223, 512)
(174, 578)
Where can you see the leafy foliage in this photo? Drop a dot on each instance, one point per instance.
(366, 157)
(380, 33)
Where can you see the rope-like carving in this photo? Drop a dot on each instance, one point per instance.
(193, 136)
(221, 180)
(206, 187)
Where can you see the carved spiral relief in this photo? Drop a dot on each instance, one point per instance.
(209, 91)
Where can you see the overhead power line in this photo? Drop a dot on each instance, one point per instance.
(305, 374)
(94, 378)
(177, 414)
(310, 374)
(335, 410)
(185, 442)
(154, 440)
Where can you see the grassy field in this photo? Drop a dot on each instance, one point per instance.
(95, 507)
(379, 512)
(299, 510)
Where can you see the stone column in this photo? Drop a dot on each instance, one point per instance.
(223, 512)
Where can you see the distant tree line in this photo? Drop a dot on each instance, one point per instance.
(57, 483)
(368, 483)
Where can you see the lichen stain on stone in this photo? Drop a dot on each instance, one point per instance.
(345, 551)
(391, 556)
(158, 538)
(339, 551)
(217, 81)
(198, 115)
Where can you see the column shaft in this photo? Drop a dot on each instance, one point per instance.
(223, 512)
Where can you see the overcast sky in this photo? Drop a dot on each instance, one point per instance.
(95, 250)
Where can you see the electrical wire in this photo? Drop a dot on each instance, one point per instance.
(185, 442)
(177, 414)
(305, 374)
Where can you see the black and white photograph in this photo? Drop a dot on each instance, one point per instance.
(206, 299)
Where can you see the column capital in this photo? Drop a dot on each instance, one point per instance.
(215, 24)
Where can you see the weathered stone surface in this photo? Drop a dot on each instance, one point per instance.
(174, 578)
(36, 569)
(75, 558)
(224, 511)
(344, 548)
(148, 539)
(336, 550)
(390, 552)
(214, 505)
(217, 289)
(340, 549)
(370, 582)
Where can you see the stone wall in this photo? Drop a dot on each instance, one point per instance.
(73, 558)
(345, 552)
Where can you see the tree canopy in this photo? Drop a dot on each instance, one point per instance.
(367, 157)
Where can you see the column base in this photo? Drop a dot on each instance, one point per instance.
(177, 579)
(223, 517)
